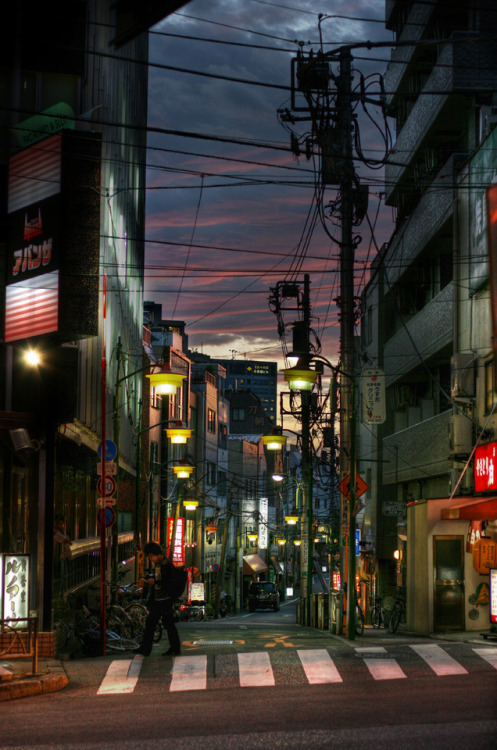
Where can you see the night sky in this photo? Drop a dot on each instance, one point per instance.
(230, 210)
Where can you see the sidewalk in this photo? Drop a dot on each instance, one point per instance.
(377, 635)
(17, 680)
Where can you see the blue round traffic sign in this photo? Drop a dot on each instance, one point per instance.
(107, 516)
(110, 450)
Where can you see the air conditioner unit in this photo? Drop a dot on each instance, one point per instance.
(460, 435)
(462, 375)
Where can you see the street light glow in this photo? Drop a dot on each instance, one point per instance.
(32, 357)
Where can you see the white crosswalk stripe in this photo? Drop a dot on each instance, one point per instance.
(381, 669)
(256, 669)
(439, 660)
(121, 677)
(318, 666)
(189, 673)
(489, 654)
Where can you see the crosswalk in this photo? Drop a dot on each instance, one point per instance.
(317, 667)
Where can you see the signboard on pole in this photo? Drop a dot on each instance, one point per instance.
(373, 396)
(178, 548)
(263, 516)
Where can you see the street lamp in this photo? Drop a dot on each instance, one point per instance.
(182, 471)
(178, 435)
(166, 382)
(274, 442)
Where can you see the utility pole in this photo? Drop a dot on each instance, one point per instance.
(306, 548)
(347, 405)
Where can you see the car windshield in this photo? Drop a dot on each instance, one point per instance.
(263, 588)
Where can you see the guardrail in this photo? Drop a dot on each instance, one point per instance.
(19, 642)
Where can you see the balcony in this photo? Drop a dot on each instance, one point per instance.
(427, 333)
(418, 452)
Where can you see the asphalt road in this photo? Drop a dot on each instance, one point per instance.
(382, 689)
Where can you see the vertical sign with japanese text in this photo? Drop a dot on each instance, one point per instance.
(373, 396)
(14, 587)
(263, 514)
(178, 557)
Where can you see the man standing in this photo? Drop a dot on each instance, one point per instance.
(160, 604)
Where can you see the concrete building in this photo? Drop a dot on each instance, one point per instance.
(72, 155)
(426, 308)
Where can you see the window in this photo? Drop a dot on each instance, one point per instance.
(223, 436)
(211, 473)
(211, 421)
(238, 415)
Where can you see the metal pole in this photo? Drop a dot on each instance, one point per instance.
(306, 549)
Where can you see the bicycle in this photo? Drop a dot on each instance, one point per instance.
(377, 619)
(359, 619)
(398, 614)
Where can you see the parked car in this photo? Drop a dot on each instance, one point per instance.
(263, 595)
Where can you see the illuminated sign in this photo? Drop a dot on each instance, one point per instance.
(14, 587)
(485, 473)
(263, 511)
(178, 546)
(52, 266)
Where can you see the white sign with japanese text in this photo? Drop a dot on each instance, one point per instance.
(373, 396)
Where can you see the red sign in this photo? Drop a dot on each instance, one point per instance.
(178, 546)
(106, 486)
(485, 470)
(360, 486)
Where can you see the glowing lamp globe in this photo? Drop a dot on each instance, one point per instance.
(291, 520)
(166, 382)
(182, 471)
(300, 380)
(178, 435)
(190, 504)
(274, 442)
(277, 477)
(281, 541)
(297, 542)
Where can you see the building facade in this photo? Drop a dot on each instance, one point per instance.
(426, 312)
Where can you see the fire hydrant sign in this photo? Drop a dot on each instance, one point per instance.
(373, 396)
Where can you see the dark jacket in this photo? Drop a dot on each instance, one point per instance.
(164, 573)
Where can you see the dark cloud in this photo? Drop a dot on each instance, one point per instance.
(200, 208)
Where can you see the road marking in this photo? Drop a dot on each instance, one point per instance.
(439, 660)
(381, 669)
(318, 666)
(121, 677)
(255, 670)
(489, 654)
(189, 673)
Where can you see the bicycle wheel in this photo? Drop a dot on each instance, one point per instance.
(138, 614)
(119, 621)
(375, 617)
(395, 617)
(359, 620)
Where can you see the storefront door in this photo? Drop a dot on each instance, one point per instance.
(448, 572)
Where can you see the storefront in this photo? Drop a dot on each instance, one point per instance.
(445, 591)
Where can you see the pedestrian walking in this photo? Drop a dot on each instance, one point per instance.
(161, 600)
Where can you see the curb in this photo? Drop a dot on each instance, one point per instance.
(25, 687)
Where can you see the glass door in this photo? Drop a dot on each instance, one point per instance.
(448, 572)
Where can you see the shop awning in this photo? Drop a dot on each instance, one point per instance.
(470, 508)
(253, 564)
(276, 564)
